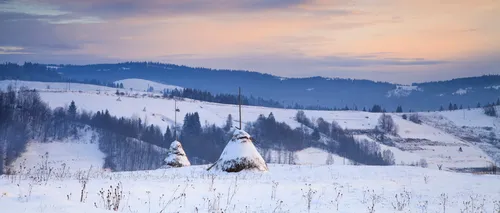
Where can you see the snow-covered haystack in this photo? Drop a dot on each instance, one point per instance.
(176, 157)
(240, 154)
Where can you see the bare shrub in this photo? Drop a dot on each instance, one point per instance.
(440, 166)
(415, 118)
(111, 198)
(44, 171)
(422, 205)
(337, 197)
(473, 205)
(370, 199)
(274, 188)
(423, 163)
(25, 195)
(496, 206)
(308, 195)
(83, 179)
(426, 179)
(165, 203)
(443, 201)
(231, 192)
(278, 206)
(402, 200)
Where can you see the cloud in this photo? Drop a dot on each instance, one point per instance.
(34, 35)
(128, 8)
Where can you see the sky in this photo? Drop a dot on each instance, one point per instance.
(398, 41)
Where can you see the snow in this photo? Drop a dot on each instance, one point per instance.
(283, 189)
(402, 91)
(76, 154)
(462, 91)
(240, 151)
(315, 156)
(472, 125)
(430, 141)
(143, 85)
(53, 86)
(497, 87)
(176, 155)
(53, 67)
(401, 157)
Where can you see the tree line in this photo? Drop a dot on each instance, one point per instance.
(132, 143)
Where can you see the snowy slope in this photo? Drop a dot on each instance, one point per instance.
(143, 85)
(75, 154)
(284, 188)
(315, 156)
(53, 86)
(426, 141)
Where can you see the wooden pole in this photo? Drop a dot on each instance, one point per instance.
(175, 119)
(239, 102)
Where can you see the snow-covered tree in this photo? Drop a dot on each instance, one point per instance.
(176, 157)
(240, 154)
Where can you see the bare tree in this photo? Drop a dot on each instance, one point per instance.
(386, 126)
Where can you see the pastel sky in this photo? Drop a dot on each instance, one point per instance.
(389, 40)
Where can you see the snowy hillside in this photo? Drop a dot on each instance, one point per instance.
(143, 85)
(53, 86)
(436, 145)
(74, 154)
(284, 188)
(402, 91)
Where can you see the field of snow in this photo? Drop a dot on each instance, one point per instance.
(315, 156)
(76, 154)
(284, 188)
(426, 141)
(143, 85)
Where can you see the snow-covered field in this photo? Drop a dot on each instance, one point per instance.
(71, 154)
(429, 141)
(143, 85)
(309, 186)
(284, 188)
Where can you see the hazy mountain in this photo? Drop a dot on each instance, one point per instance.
(331, 92)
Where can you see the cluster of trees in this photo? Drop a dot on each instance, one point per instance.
(415, 118)
(40, 72)
(270, 134)
(490, 111)
(132, 143)
(28, 71)
(220, 98)
(345, 144)
(452, 107)
(23, 116)
(385, 126)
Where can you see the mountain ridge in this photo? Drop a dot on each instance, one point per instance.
(317, 90)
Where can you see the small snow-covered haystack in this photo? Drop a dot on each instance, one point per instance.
(176, 157)
(240, 154)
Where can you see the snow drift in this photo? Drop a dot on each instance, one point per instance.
(176, 157)
(240, 154)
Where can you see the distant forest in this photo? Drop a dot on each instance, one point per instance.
(298, 93)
